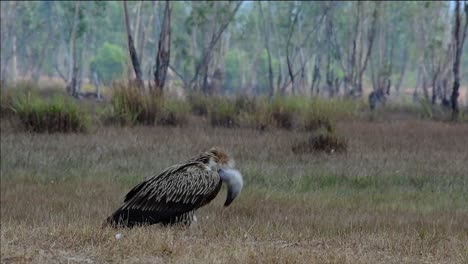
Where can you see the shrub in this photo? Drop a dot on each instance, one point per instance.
(58, 115)
(245, 104)
(222, 112)
(6, 102)
(260, 118)
(131, 105)
(279, 112)
(313, 122)
(173, 113)
(321, 142)
(199, 104)
(282, 113)
(334, 108)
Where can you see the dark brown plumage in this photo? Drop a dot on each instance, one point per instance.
(173, 195)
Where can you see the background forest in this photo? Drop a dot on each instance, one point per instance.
(340, 115)
(248, 47)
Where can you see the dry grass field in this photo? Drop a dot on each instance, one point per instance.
(399, 195)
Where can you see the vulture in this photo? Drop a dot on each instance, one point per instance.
(172, 196)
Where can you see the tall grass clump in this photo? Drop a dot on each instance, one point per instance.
(8, 93)
(59, 114)
(283, 112)
(173, 113)
(255, 113)
(321, 112)
(291, 112)
(131, 105)
(199, 104)
(310, 113)
(6, 102)
(321, 140)
(223, 112)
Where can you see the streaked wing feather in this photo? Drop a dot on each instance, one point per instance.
(179, 189)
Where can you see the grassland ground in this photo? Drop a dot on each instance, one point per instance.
(399, 195)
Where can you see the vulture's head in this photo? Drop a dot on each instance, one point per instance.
(218, 160)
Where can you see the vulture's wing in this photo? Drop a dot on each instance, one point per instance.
(177, 190)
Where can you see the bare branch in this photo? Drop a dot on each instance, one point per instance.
(178, 74)
(214, 40)
(60, 73)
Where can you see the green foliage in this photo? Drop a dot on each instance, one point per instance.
(109, 62)
(57, 115)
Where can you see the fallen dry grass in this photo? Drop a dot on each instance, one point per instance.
(399, 195)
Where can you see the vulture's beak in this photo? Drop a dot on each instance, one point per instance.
(233, 179)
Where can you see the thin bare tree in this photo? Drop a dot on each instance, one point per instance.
(267, 30)
(208, 51)
(164, 48)
(131, 48)
(459, 37)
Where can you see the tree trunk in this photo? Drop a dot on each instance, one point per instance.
(137, 25)
(266, 30)
(459, 41)
(402, 71)
(72, 71)
(424, 84)
(5, 32)
(14, 61)
(131, 48)
(371, 38)
(316, 76)
(278, 50)
(142, 41)
(95, 81)
(10, 20)
(434, 87)
(350, 77)
(164, 45)
(288, 44)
